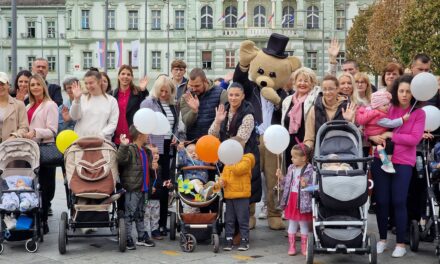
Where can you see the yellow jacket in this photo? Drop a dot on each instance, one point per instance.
(237, 178)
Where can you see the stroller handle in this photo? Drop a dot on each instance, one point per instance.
(199, 168)
(325, 160)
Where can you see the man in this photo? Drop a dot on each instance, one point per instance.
(178, 70)
(40, 66)
(420, 63)
(198, 104)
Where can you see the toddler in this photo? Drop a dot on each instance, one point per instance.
(335, 166)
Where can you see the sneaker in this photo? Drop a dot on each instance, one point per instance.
(263, 212)
(164, 231)
(130, 244)
(229, 245)
(244, 245)
(381, 246)
(145, 241)
(399, 252)
(155, 234)
(45, 228)
(388, 168)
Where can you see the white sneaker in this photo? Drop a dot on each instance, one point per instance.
(381, 246)
(389, 168)
(263, 212)
(399, 252)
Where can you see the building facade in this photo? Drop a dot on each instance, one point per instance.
(204, 33)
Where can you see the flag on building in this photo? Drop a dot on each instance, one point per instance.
(222, 18)
(242, 17)
(135, 46)
(270, 18)
(287, 19)
(100, 52)
(117, 46)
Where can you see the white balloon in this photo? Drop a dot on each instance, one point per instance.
(276, 139)
(432, 121)
(145, 120)
(162, 124)
(424, 86)
(230, 152)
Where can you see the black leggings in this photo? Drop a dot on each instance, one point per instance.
(47, 187)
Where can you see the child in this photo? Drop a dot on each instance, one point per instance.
(152, 204)
(297, 204)
(135, 160)
(374, 120)
(198, 178)
(236, 182)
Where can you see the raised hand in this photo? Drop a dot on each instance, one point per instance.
(192, 101)
(21, 94)
(124, 140)
(76, 90)
(220, 114)
(333, 49)
(143, 83)
(349, 112)
(65, 114)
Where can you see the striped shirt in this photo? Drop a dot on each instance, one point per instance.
(169, 116)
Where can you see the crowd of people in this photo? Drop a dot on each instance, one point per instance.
(226, 108)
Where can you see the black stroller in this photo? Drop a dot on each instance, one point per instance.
(340, 206)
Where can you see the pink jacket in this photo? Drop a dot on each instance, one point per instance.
(408, 136)
(368, 118)
(45, 122)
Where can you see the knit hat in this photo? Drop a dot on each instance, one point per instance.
(380, 98)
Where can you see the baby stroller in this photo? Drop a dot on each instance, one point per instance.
(20, 220)
(428, 229)
(340, 206)
(196, 226)
(90, 180)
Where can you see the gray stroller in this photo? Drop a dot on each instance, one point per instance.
(340, 205)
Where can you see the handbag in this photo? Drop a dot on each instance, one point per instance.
(50, 156)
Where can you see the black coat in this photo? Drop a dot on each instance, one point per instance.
(55, 93)
(134, 103)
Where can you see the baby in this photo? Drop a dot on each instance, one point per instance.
(335, 166)
(23, 201)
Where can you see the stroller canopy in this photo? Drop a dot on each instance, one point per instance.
(19, 149)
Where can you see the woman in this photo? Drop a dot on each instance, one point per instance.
(129, 98)
(390, 73)
(13, 120)
(64, 119)
(236, 119)
(392, 189)
(106, 83)
(95, 113)
(42, 115)
(296, 107)
(21, 89)
(349, 88)
(329, 105)
(162, 100)
(364, 88)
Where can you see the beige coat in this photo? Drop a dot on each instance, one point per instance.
(15, 121)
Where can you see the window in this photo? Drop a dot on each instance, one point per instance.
(206, 14)
(231, 17)
(130, 61)
(68, 64)
(230, 59)
(30, 62)
(288, 17)
(312, 60)
(31, 29)
(52, 63)
(111, 19)
(155, 19)
(9, 63)
(85, 19)
(340, 19)
(206, 59)
(179, 55)
(340, 59)
(87, 60)
(9, 29)
(111, 59)
(312, 17)
(132, 20)
(180, 19)
(50, 29)
(259, 16)
(69, 20)
(155, 60)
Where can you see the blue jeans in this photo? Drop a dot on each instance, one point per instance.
(391, 188)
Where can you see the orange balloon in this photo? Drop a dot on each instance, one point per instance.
(207, 148)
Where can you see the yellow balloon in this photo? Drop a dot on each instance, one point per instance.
(65, 138)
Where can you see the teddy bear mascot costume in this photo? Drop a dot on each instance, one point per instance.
(263, 74)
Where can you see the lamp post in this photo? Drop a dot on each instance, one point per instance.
(145, 37)
(168, 36)
(106, 35)
(14, 40)
(195, 49)
(58, 48)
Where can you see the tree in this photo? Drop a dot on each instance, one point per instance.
(420, 32)
(356, 43)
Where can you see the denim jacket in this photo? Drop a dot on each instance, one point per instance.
(184, 160)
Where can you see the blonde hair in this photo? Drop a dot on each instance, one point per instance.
(164, 81)
(364, 77)
(41, 81)
(354, 97)
(306, 72)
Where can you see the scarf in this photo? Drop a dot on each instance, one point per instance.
(296, 112)
(145, 170)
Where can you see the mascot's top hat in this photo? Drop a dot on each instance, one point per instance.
(276, 46)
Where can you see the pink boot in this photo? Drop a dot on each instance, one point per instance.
(304, 245)
(292, 249)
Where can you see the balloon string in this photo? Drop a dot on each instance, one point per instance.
(278, 179)
(414, 105)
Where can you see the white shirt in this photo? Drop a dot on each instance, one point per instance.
(267, 109)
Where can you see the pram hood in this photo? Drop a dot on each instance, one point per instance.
(19, 149)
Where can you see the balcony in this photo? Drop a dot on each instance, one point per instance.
(258, 32)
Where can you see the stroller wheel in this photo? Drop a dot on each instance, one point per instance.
(62, 234)
(215, 241)
(414, 236)
(372, 255)
(2, 248)
(173, 226)
(188, 242)
(310, 248)
(31, 246)
(122, 235)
